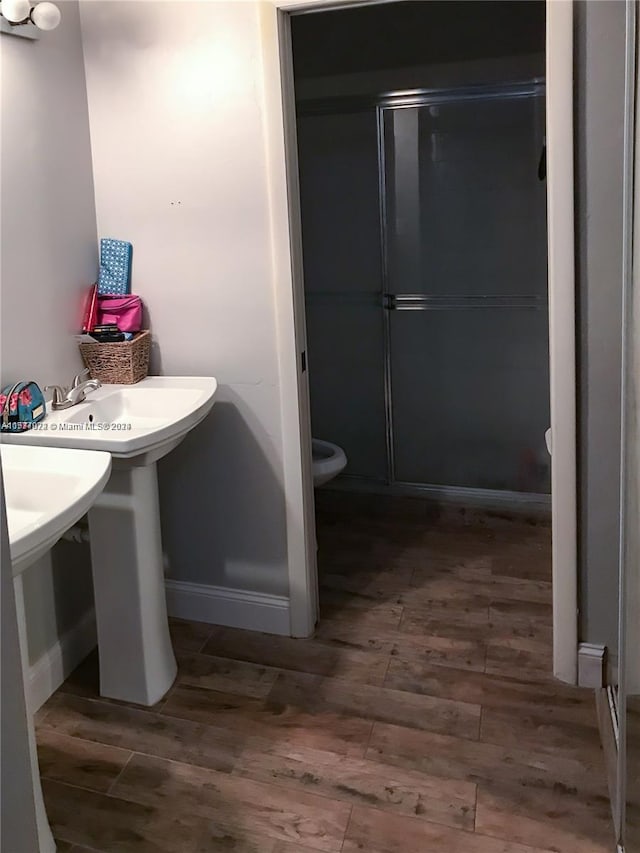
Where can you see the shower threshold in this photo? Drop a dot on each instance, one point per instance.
(455, 495)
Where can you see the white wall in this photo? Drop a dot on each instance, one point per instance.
(48, 216)
(179, 141)
(48, 260)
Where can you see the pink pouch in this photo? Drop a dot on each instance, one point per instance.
(124, 311)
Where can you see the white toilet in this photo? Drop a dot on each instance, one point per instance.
(328, 461)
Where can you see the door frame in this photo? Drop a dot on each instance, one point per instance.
(287, 242)
(562, 337)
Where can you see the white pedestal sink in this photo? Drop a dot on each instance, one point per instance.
(46, 491)
(137, 425)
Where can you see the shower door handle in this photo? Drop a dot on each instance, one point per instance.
(461, 302)
(406, 301)
(389, 301)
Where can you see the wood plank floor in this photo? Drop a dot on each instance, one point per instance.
(423, 716)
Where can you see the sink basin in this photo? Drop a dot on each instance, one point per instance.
(47, 491)
(139, 423)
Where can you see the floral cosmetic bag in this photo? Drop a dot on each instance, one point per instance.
(21, 406)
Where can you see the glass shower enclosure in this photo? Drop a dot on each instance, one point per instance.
(424, 236)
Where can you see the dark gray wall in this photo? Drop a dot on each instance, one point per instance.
(397, 35)
(599, 75)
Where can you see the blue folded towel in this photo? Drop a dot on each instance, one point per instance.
(115, 267)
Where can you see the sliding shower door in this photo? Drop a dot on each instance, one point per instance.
(425, 259)
(464, 224)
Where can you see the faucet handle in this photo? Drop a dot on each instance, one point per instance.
(58, 396)
(80, 378)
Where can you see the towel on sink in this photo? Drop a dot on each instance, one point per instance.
(115, 267)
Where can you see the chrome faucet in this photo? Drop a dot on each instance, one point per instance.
(64, 398)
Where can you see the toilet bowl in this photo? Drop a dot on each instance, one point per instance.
(328, 461)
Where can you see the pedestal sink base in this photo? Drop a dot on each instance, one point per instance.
(137, 663)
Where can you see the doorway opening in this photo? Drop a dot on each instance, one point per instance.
(421, 150)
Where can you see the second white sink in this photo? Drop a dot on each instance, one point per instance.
(47, 491)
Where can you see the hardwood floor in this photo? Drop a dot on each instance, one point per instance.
(423, 716)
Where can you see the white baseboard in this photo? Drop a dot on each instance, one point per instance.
(59, 661)
(234, 608)
(591, 665)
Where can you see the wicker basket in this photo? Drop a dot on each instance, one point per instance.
(122, 363)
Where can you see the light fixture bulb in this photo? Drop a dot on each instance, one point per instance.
(46, 16)
(15, 10)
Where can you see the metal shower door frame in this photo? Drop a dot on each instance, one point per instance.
(420, 302)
